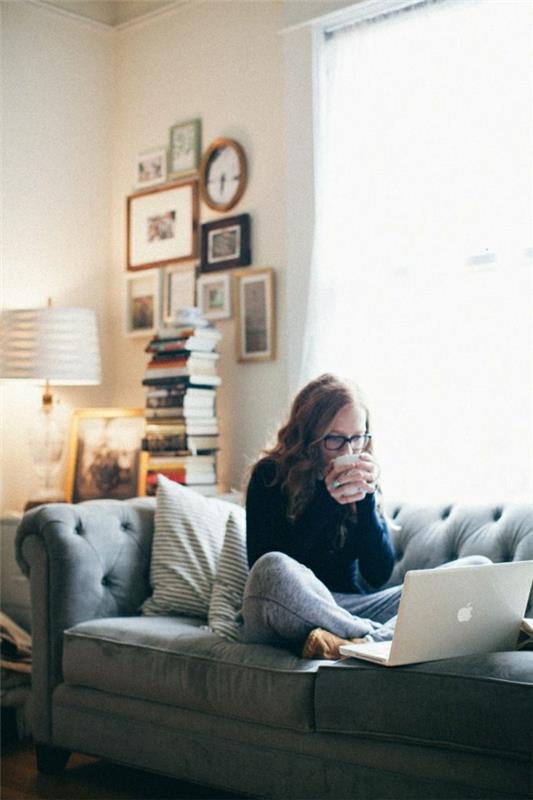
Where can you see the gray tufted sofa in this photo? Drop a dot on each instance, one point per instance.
(166, 694)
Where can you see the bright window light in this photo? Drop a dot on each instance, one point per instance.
(421, 285)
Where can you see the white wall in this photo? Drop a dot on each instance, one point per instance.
(57, 120)
(221, 62)
(80, 102)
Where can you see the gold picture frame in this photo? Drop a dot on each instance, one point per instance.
(104, 459)
(255, 313)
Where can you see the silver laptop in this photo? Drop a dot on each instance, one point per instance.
(454, 611)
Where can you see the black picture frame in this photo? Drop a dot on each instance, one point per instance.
(226, 243)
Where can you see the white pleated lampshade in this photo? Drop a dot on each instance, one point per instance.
(55, 344)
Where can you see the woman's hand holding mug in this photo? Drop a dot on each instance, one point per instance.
(350, 477)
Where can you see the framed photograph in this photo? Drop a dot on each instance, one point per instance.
(226, 243)
(179, 283)
(254, 296)
(162, 225)
(151, 168)
(104, 454)
(142, 302)
(214, 296)
(184, 148)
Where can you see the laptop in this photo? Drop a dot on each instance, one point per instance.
(456, 611)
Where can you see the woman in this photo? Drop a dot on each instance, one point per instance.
(318, 546)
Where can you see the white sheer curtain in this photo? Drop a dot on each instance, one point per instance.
(421, 284)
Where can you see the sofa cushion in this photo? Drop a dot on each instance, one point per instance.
(179, 662)
(483, 702)
(188, 537)
(228, 587)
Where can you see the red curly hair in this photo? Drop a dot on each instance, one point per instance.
(296, 453)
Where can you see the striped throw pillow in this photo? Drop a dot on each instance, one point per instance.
(226, 598)
(188, 537)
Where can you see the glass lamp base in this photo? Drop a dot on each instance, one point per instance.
(46, 439)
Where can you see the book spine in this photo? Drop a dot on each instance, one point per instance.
(182, 421)
(186, 392)
(194, 344)
(186, 358)
(185, 461)
(176, 401)
(179, 413)
(188, 380)
(178, 371)
(177, 475)
(164, 443)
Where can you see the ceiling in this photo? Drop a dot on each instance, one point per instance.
(110, 12)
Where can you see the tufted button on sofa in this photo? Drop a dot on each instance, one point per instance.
(167, 694)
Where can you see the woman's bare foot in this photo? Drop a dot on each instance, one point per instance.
(323, 644)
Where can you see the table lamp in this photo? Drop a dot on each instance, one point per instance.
(59, 346)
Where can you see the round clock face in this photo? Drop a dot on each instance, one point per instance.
(223, 174)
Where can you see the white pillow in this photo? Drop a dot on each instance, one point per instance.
(226, 598)
(188, 537)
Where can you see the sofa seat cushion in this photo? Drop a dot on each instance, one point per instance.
(482, 702)
(178, 661)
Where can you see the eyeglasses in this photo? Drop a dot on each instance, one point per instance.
(334, 441)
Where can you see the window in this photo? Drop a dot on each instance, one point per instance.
(421, 285)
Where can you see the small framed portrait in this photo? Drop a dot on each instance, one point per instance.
(184, 148)
(142, 302)
(214, 296)
(254, 300)
(179, 284)
(104, 454)
(162, 225)
(226, 243)
(151, 168)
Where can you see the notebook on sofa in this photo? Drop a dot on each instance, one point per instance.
(455, 611)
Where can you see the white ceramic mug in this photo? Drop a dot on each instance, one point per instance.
(348, 459)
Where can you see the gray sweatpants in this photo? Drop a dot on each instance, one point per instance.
(284, 601)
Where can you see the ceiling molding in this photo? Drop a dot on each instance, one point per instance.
(157, 12)
(101, 25)
(63, 12)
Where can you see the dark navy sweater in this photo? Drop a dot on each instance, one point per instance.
(313, 539)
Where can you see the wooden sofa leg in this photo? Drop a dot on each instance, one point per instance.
(51, 760)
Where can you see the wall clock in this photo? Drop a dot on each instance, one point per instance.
(223, 174)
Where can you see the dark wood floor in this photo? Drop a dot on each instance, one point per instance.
(86, 778)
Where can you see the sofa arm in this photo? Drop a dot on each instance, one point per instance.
(84, 561)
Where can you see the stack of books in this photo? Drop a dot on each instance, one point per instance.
(181, 437)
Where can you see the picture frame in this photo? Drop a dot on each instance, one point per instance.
(104, 460)
(226, 243)
(214, 295)
(162, 226)
(142, 302)
(151, 168)
(179, 286)
(255, 312)
(184, 148)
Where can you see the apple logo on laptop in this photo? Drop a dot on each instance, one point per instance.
(465, 614)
